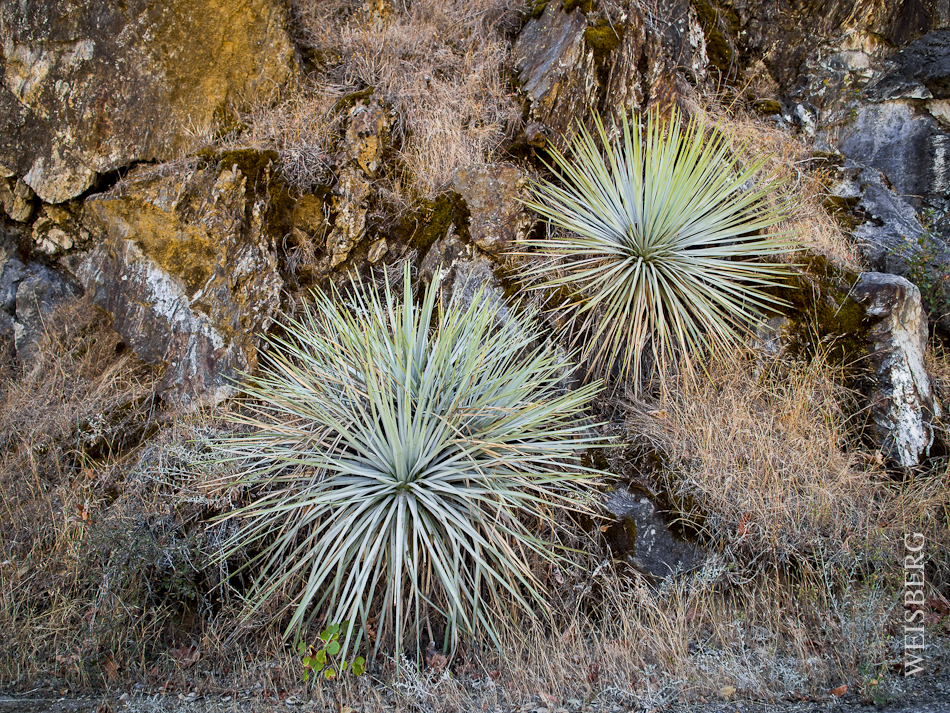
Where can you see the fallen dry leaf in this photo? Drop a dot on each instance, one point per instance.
(110, 669)
(727, 691)
(185, 655)
(839, 691)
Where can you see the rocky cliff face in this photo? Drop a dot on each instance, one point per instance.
(192, 258)
(90, 86)
(187, 270)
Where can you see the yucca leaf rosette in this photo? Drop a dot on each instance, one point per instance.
(398, 453)
(666, 237)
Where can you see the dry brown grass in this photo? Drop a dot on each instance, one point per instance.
(84, 397)
(624, 643)
(99, 602)
(760, 459)
(800, 174)
(440, 65)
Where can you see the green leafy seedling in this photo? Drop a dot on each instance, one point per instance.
(318, 658)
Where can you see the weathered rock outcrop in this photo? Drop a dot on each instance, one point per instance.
(188, 272)
(556, 68)
(89, 86)
(871, 81)
(890, 236)
(903, 407)
(571, 63)
(491, 192)
(641, 537)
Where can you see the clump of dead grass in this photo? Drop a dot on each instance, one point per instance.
(54, 410)
(440, 65)
(792, 162)
(82, 399)
(759, 457)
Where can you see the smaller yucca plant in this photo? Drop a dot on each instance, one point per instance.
(398, 452)
(662, 235)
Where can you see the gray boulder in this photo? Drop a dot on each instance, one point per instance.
(29, 293)
(903, 406)
(906, 145)
(641, 536)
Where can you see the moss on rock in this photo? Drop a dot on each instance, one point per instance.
(537, 9)
(263, 179)
(602, 38)
(823, 314)
(720, 28)
(431, 221)
(584, 5)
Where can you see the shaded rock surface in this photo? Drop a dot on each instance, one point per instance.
(29, 293)
(910, 148)
(641, 536)
(491, 192)
(903, 406)
(188, 273)
(555, 67)
(891, 237)
(89, 86)
(571, 63)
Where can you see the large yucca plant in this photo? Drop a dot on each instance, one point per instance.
(398, 451)
(659, 229)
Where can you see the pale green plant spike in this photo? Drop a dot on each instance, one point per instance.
(394, 448)
(667, 239)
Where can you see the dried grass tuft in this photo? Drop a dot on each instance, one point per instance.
(792, 163)
(760, 459)
(440, 65)
(83, 395)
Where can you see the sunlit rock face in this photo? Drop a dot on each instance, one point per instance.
(89, 86)
(189, 274)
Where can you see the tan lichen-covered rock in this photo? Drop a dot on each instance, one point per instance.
(188, 272)
(16, 199)
(59, 229)
(366, 135)
(349, 203)
(491, 192)
(903, 407)
(89, 85)
(377, 251)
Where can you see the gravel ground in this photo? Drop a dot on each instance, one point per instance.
(926, 693)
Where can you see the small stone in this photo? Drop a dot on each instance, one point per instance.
(491, 192)
(17, 199)
(366, 136)
(378, 250)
